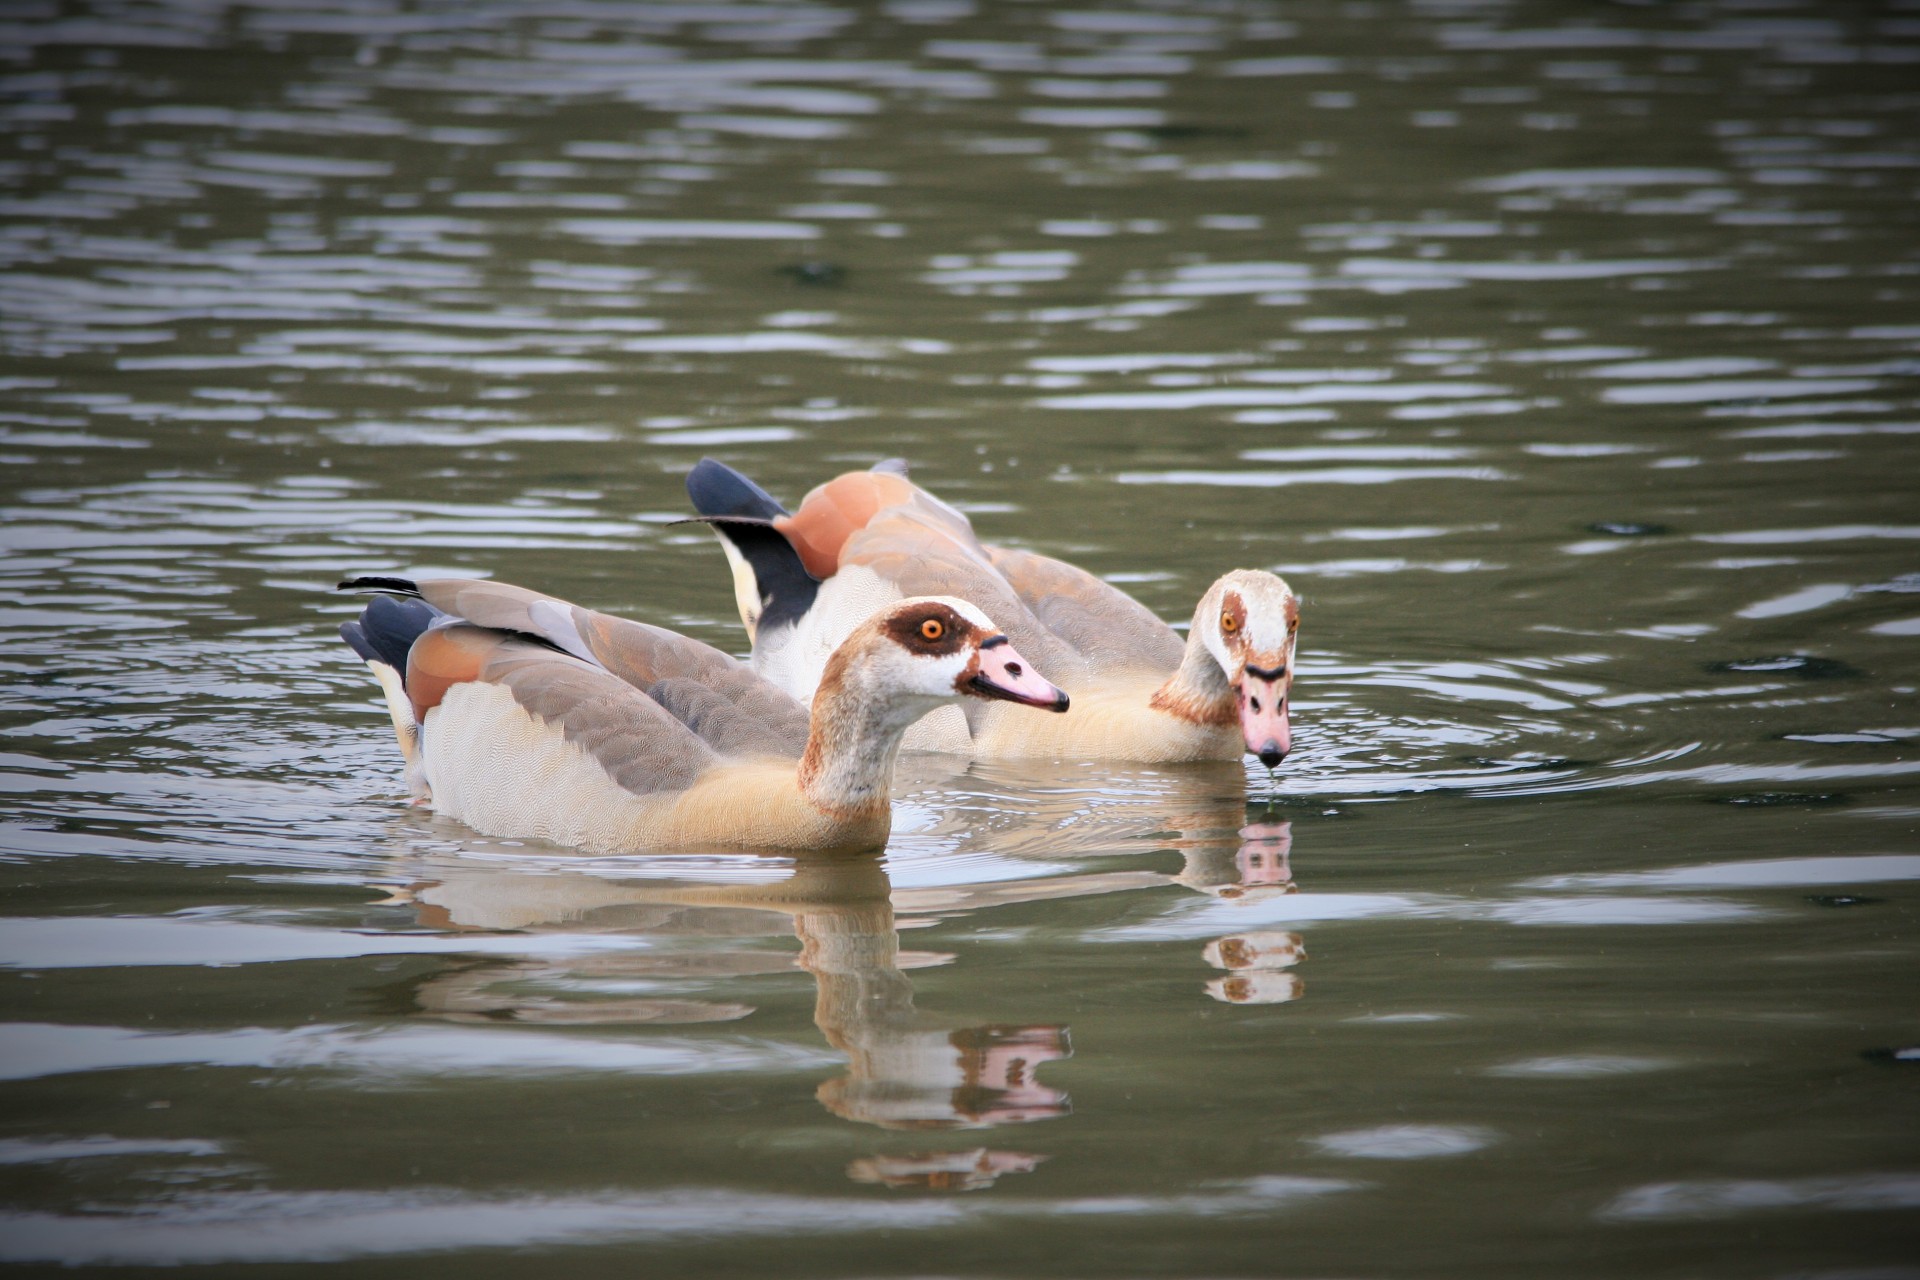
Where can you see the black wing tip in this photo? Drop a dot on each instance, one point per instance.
(356, 637)
(750, 521)
(378, 582)
(719, 490)
(387, 627)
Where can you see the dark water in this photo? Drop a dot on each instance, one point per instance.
(1563, 356)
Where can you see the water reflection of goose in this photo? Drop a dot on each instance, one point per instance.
(1258, 962)
(942, 1170)
(1048, 813)
(804, 580)
(1258, 867)
(524, 715)
(905, 1070)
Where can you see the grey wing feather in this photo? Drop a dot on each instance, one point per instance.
(721, 701)
(638, 742)
(719, 698)
(1094, 618)
(504, 607)
(729, 727)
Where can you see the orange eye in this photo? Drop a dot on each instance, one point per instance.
(1229, 623)
(933, 629)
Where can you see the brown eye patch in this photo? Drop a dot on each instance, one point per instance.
(932, 629)
(1233, 614)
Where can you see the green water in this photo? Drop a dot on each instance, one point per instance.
(1562, 357)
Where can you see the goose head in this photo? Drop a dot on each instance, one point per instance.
(1248, 621)
(899, 664)
(935, 649)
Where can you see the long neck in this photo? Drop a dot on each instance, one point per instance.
(853, 737)
(1198, 691)
(854, 955)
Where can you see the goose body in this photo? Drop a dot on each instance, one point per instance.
(803, 579)
(523, 715)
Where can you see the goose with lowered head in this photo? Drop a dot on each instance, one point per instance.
(523, 715)
(803, 579)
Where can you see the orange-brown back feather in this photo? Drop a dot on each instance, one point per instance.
(835, 512)
(443, 658)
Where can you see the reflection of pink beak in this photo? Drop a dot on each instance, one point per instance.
(1262, 859)
(999, 1064)
(1263, 714)
(1005, 674)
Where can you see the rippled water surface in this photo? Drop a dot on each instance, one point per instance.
(1562, 356)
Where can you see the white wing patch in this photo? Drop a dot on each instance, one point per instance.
(555, 621)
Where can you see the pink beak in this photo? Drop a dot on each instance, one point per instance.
(1005, 674)
(1263, 714)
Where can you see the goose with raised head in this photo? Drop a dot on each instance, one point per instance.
(526, 716)
(803, 579)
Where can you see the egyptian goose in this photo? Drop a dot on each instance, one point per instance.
(523, 715)
(803, 580)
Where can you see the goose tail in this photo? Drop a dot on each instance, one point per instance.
(771, 585)
(382, 635)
